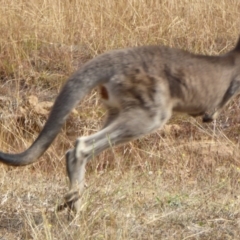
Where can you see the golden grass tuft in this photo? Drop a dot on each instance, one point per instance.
(181, 182)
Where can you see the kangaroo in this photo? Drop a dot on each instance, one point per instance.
(141, 87)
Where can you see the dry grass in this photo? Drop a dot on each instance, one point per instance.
(182, 182)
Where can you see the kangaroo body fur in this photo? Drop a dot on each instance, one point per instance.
(140, 87)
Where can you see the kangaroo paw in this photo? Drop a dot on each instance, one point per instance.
(72, 202)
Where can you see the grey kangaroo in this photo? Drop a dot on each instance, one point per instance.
(140, 88)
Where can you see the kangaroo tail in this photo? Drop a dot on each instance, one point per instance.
(93, 73)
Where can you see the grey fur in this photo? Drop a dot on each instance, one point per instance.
(140, 87)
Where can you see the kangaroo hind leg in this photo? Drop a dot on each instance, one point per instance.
(129, 125)
(143, 106)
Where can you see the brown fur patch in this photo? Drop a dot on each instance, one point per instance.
(103, 92)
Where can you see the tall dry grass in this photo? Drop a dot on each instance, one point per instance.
(179, 183)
